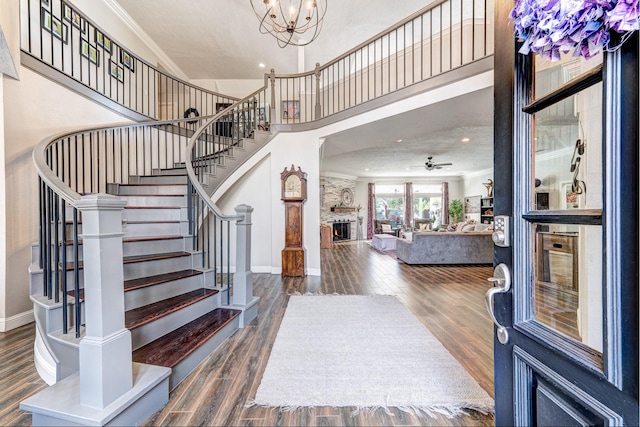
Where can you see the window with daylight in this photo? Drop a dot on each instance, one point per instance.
(390, 202)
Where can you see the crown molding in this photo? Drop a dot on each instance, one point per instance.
(133, 26)
(338, 175)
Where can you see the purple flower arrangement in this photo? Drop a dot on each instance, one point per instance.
(551, 27)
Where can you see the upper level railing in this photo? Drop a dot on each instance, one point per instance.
(443, 36)
(62, 37)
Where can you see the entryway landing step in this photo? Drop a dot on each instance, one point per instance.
(184, 348)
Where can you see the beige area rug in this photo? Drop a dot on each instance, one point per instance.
(363, 351)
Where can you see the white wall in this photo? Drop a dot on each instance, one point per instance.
(233, 88)
(302, 150)
(10, 24)
(34, 108)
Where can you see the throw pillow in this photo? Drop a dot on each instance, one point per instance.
(482, 227)
(468, 227)
(386, 227)
(460, 226)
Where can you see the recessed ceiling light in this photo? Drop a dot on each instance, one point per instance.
(399, 140)
(366, 169)
(261, 65)
(465, 139)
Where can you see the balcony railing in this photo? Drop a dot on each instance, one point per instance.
(57, 34)
(443, 36)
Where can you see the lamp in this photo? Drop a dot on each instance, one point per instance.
(284, 19)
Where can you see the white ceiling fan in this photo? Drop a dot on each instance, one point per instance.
(431, 165)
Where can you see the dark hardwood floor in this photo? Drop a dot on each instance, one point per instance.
(449, 300)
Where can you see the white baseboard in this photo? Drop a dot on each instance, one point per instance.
(314, 272)
(261, 269)
(13, 322)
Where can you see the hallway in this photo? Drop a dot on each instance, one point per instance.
(449, 299)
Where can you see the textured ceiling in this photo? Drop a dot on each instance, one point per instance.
(216, 39)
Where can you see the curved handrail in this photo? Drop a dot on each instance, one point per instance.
(193, 177)
(53, 181)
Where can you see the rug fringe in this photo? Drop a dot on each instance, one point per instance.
(433, 411)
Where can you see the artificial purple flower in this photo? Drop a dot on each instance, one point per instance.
(548, 27)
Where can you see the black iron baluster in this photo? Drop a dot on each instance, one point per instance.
(76, 272)
(63, 220)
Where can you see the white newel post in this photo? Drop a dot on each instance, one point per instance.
(243, 298)
(105, 350)
(242, 278)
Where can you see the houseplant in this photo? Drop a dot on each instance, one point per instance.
(456, 210)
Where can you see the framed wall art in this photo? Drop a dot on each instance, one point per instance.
(75, 18)
(291, 110)
(103, 41)
(90, 52)
(116, 71)
(127, 60)
(54, 26)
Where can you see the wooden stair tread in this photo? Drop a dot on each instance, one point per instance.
(175, 346)
(151, 257)
(137, 239)
(143, 282)
(139, 258)
(150, 312)
(152, 207)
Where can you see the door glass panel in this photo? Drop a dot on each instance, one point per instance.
(567, 291)
(551, 75)
(568, 153)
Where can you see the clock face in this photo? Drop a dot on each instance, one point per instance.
(292, 187)
(347, 197)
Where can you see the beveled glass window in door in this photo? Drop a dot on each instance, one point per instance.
(567, 200)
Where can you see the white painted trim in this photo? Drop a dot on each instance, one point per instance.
(261, 269)
(339, 175)
(13, 322)
(478, 173)
(44, 361)
(314, 272)
(133, 26)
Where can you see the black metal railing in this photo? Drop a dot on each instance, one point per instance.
(74, 164)
(59, 35)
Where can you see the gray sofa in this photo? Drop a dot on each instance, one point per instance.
(430, 247)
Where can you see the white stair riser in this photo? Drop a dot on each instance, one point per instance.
(150, 294)
(136, 247)
(154, 214)
(156, 200)
(149, 189)
(142, 247)
(36, 279)
(179, 170)
(154, 330)
(159, 179)
(134, 229)
(152, 268)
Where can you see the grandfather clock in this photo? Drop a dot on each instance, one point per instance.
(294, 193)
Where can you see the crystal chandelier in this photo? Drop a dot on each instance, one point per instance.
(286, 20)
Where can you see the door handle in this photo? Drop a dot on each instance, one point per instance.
(501, 284)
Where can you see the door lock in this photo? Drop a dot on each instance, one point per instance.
(501, 284)
(501, 231)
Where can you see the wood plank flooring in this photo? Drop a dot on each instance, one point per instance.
(449, 300)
